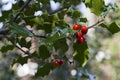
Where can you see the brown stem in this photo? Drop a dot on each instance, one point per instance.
(21, 9)
(96, 23)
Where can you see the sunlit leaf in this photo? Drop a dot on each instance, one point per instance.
(96, 6)
(81, 53)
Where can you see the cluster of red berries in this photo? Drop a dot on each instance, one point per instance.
(82, 30)
(58, 62)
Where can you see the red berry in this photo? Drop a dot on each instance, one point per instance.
(81, 39)
(56, 63)
(61, 61)
(79, 35)
(76, 27)
(84, 29)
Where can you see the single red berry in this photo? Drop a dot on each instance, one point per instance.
(56, 63)
(79, 35)
(61, 61)
(81, 39)
(84, 29)
(76, 27)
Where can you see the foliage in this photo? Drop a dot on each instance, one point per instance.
(51, 30)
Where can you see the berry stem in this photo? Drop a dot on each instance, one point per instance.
(99, 21)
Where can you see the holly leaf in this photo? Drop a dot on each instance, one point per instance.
(81, 53)
(96, 6)
(44, 70)
(21, 60)
(69, 12)
(20, 30)
(83, 20)
(29, 20)
(54, 38)
(6, 48)
(22, 42)
(44, 22)
(5, 15)
(113, 27)
(43, 52)
(44, 1)
(61, 45)
(76, 14)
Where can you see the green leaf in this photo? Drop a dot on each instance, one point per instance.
(29, 20)
(96, 6)
(113, 27)
(44, 1)
(6, 48)
(63, 22)
(61, 45)
(44, 22)
(43, 52)
(54, 38)
(83, 20)
(75, 2)
(22, 60)
(81, 53)
(69, 12)
(76, 14)
(44, 70)
(103, 25)
(22, 42)
(5, 15)
(69, 2)
(38, 20)
(20, 30)
(62, 14)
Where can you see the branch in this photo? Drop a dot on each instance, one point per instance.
(26, 52)
(22, 8)
(96, 23)
(60, 9)
(4, 31)
(40, 36)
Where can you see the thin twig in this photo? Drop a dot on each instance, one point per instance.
(60, 9)
(21, 9)
(96, 23)
(16, 45)
(39, 36)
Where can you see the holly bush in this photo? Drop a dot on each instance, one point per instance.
(49, 39)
